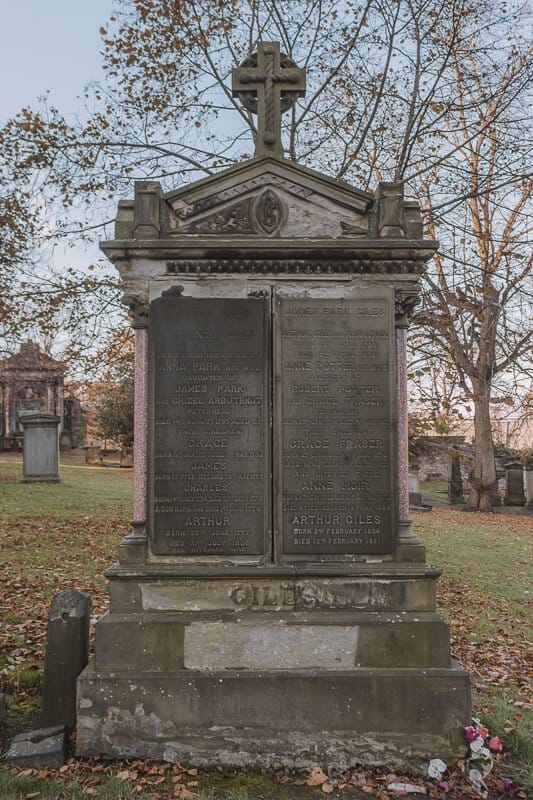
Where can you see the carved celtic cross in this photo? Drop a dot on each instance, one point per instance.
(268, 83)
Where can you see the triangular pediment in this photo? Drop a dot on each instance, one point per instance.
(269, 197)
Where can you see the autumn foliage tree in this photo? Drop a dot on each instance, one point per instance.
(112, 394)
(397, 90)
(476, 313)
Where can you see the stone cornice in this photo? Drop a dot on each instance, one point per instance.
(247, 247)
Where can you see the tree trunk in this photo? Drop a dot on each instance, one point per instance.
(483, 475)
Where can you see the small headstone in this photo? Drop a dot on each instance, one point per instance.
(455, 484)
(514, 484)
(65, 441)
(528, 474)
(415, 497)
(67, 654)
(46, 747)
(3, 707)
(126, 457)
(93, 455)
(40, 448)
(496, 499)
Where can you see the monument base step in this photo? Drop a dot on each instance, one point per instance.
(396, 718)
(211, 641)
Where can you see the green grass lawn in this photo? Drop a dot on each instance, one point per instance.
(64, 535)
(436, 491)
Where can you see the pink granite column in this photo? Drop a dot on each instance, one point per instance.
(140, 441)
(133, 549)
(408, 545)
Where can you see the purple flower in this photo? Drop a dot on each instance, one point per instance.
(471, 733)
(510, 787)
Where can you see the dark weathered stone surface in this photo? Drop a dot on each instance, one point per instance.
(46, 747)
(210, 491)
(67, 652)
(514, 484)
(335, 421)
(455, 484)
(392, 717)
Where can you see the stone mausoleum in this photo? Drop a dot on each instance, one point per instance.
(272, 604)
(33, 381)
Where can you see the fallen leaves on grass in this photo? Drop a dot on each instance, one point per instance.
(61, 557)
(317, 777)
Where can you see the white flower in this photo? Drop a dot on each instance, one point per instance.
(477, 745)
(436, 768)
(475, 778)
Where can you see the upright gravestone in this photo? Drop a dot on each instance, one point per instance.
(528, 480)
(40, 449)
(416, 502)
(67, 653)
(455, 483)
(514, 484)
(272, 603)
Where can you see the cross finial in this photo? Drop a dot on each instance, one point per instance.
(268, 83)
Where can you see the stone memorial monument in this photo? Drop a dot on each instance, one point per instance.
(40, 449)
(272, 603)
(30, 381)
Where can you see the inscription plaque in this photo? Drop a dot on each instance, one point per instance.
(210, 412)
(334, 417)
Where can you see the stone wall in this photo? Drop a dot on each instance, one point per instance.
(434, 456)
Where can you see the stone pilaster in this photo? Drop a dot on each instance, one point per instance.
(134, 546)
(409, 547)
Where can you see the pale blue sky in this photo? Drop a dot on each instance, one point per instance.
(49, 44)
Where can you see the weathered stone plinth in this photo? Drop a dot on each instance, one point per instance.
(266, 666)
(259, 718)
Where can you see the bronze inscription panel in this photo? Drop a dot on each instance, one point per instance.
(209, 365)
(336, 424)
